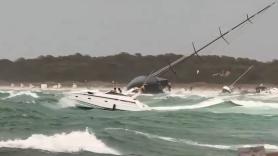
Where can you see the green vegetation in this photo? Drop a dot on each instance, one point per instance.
(123, 67)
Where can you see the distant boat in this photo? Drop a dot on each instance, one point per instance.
(109, 101)
(229, 89)
(43, 86)
(261, 88)
(74, 86)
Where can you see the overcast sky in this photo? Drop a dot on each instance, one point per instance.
(30, 28)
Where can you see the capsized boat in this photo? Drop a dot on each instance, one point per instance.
(111, 100)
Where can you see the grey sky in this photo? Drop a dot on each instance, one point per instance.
(30, 28)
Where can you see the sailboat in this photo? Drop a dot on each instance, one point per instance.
(229, 89)
(156, 84)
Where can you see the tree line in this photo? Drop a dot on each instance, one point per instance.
(123, 67)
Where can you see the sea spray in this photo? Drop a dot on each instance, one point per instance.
(66, 102)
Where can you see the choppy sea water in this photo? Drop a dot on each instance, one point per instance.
(47, 123)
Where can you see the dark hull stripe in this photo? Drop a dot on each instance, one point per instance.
(96, 106)
(108, 98)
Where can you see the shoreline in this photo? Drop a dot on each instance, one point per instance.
(100, 84)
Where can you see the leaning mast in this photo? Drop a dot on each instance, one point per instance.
(221, 36)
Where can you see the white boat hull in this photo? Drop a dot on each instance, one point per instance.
(111, 103)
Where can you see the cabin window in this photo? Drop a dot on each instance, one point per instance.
(89, 98)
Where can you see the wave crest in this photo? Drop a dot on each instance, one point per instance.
(194, 143)
(204, 104)
(65, 142)
(250, 103)
(21, 93)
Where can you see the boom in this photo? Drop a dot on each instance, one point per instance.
(222, 35)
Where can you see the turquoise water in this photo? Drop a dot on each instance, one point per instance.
(36, 123)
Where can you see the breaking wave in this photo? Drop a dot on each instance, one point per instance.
(250, 104)
(204, 104)
(194, 143)
(65, 142)
(13, 94)
(185, 93)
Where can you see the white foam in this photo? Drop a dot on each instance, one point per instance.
(229, 147)
(4, 92)
(20, 93)
(65, 142)
(161, 98)
(66, 102)
(182, 93)
(272, 91)
(204, 104)
(250, 104)
(194, 143)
